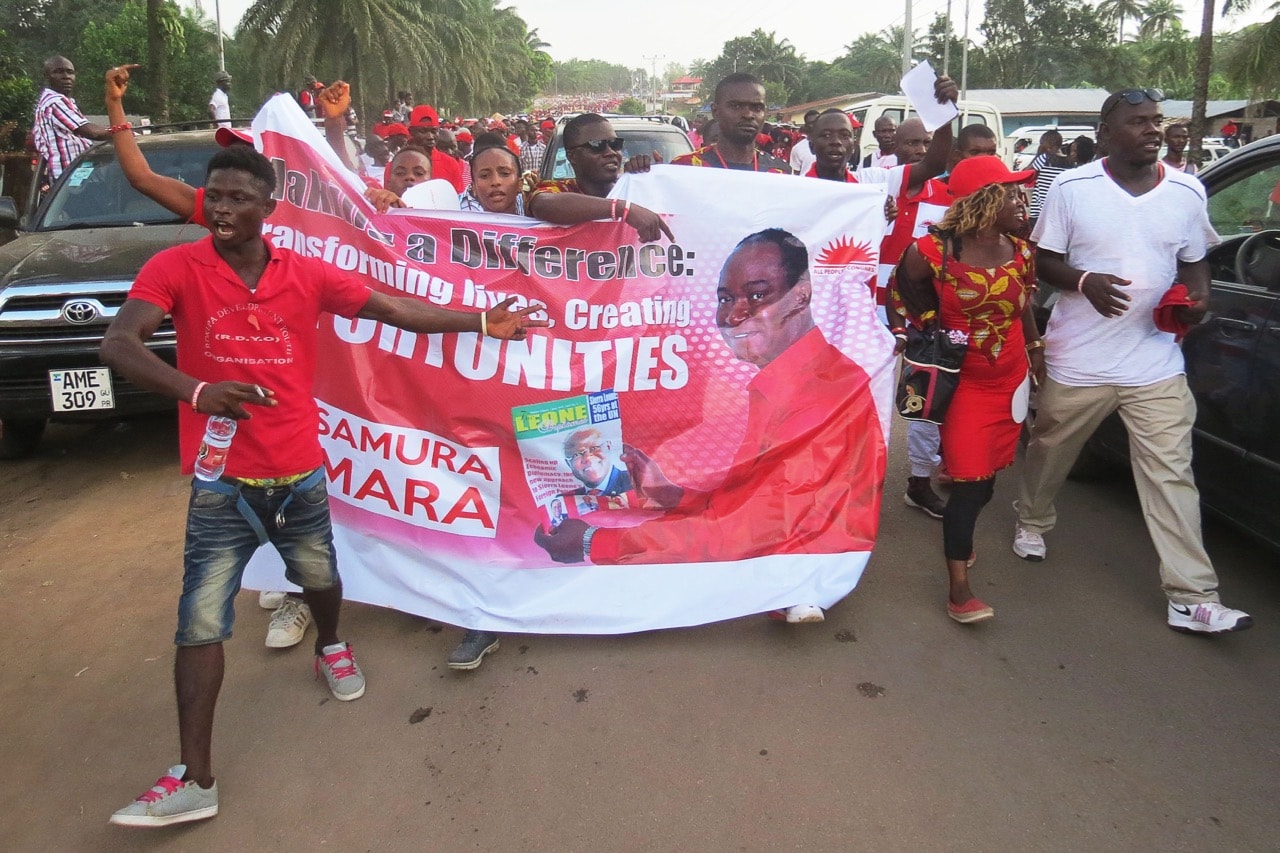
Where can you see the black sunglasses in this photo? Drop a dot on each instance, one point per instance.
(598, 146)
(1132, 97)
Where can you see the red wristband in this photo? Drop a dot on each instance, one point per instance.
(195, 396)
(116, 128)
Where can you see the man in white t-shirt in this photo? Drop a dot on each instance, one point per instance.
(802, 154)
(219, 101)
(1114, 235)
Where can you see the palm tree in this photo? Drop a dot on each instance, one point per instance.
(1118, 11)
(1251, 58)
(1204, 65)
(1160, 18)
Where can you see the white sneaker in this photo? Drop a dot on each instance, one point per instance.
(270, 600)
(288, 624)
(1207, 617)
(170, 801)
(804, 614)
(1027, 544)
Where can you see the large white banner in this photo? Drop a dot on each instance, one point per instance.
(714, 409)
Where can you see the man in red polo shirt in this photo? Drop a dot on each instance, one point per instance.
(247, 316)
(424, 125)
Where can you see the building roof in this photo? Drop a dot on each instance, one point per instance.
(687, 80)
(1182, 109)
(1014, 102)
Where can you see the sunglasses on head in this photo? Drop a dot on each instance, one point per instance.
(1132, 97)
(597, 146)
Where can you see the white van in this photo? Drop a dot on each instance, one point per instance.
(897, 107)
(1022, 144)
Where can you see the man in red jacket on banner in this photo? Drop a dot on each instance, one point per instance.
(806, 478)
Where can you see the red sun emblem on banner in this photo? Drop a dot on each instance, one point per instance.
(843, 252)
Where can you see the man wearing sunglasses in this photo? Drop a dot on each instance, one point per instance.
(595, 153)
(1114, 236)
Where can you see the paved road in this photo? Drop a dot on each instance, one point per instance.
(1076, 720)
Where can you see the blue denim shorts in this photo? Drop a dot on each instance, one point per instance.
(220, 541)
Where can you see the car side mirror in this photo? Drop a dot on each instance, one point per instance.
(8, 212)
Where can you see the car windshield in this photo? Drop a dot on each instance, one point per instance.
(95, 194)
(670, 144)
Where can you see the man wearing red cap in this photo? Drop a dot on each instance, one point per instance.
(424, 125)
(1113, 236)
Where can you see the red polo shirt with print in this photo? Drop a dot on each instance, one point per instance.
(265, 336)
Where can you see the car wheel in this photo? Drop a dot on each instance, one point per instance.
(20, 437)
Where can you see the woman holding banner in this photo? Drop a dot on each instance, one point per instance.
(970, 273)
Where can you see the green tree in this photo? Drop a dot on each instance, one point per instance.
(1117, 12)
(1251, 59)
(631, 107)
(775, 62)
(1204, 66)
(1160, 18)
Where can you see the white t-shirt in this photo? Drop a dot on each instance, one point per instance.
(802, 156)
(1099, 227)
(221, 105)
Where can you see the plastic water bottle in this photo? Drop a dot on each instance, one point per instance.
(211, 461)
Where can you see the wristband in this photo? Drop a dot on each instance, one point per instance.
(116, 128)
(1038, 343)
(484, 324)
(613, 209)
(1080, 283)
(195, 396)
(626, 210)
(587, 536)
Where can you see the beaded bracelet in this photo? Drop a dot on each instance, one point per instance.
(116, 128)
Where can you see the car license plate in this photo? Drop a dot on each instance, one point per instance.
(82, 390)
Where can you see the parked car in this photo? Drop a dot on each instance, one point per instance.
(65, 277)
(1022, 144)
(874, 106)
(641, 135)
(1233, 357)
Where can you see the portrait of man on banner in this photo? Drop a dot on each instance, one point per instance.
(806, 477)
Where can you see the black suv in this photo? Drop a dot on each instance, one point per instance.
(1233, 357)
(641, 135)
(67, 274)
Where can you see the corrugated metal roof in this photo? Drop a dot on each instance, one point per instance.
(1182, 109)
(1013, 102)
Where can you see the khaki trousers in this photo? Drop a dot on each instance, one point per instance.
(1159, 419)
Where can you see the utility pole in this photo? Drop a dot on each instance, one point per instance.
(964, 56)
(906, 41)
(653, 79)
(946, 43)
(217, 18)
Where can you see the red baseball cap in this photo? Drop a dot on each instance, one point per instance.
(464, 136)
(397, 129)
(228, 136)
(424, 115)
(548, 124)
(854, 121)
(973, 173)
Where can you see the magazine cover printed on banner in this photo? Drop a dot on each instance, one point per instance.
(699, 434)
(572, 453)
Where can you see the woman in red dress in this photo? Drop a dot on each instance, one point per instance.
(972, 274)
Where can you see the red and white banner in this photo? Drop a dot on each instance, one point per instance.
(758, 414)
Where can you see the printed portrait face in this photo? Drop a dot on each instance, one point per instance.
(590, 456)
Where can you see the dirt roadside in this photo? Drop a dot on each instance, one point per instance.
(1076, 719)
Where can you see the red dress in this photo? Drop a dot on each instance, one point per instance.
(979, 435)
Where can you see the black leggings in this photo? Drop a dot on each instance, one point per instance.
(961, 516)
